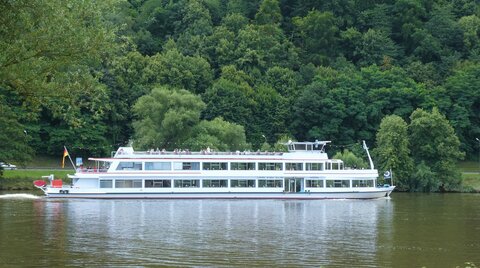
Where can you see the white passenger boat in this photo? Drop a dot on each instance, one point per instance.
(304, 172)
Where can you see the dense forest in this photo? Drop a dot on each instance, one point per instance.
(94, 75)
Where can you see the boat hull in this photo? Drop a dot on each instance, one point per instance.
(367, 194)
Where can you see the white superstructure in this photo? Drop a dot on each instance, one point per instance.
(305, 172)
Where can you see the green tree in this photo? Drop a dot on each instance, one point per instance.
(374, 47)
(217, 134)
(350, 160)
(126, 79)
(270, 114)
(392, 151)
(45, 44)
(463, 106)
(13, 140)
(172, 68)
(166, 117)
(378, 18)
(231, 101)
(317, 35)
(269, 13)
(433, 142)
(470, 26)
(194, 28)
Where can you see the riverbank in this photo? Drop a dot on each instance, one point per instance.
(22, 179)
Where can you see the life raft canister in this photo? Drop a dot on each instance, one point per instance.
(39, 183)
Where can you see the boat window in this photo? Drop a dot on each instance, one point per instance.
(314, 166)
(106, 184)
(328, 166)
(214, 166)
(158, 183)
(158, 166)
(242, 183)
(293, 166)
(270, 166)
(362, 183)
(186, 183)
(336, 165)
(128, 183)
(129, 166)
(242, 166)
(270, 183)
(300, 147)
(215, 183)
(338, 183)
(314, 183)
(186, 165)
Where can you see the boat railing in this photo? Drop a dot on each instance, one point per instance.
(92, 170)
(203, 152)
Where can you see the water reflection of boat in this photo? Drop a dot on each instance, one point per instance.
(304, 172)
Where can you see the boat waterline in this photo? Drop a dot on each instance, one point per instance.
(370, 194)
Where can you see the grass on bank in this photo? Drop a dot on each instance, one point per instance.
(469, 166)
(472, 181)
(22, 179)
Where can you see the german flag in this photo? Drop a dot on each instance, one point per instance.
(65, 154)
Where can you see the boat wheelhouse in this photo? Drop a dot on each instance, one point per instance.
(304, 172)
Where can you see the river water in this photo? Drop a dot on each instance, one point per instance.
(407, 230)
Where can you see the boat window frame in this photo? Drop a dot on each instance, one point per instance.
(336, 183)
(314, 183)
(363, 183)
(156, 180)
(235, 183)
(309, 166)
(105, 180)
(247, 166)
(183, 182)
(270, 182)
(272, 166)
(158, 162)
(136, 165)
(215, 165)
(134, 181)
(215, 183)
(297, 166)
(190, 165)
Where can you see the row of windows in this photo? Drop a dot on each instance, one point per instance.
(240, 183)
(338, 183)
(224, 166)
(191, 183)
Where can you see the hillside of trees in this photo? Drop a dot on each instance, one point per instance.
(95, 75)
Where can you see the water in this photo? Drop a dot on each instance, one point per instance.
(408, 230)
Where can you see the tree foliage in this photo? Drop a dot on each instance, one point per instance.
(78, 73)
(350, 160)
(434, 145)
(392, 151)
(165, 117)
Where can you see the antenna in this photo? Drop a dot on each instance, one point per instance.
(368, 154)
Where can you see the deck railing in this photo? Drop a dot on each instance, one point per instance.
(204, 152)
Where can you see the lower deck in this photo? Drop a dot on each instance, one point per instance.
(222, 184)
(242, 188)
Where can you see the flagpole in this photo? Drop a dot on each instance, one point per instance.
(71, 161)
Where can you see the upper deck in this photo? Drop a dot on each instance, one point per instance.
(308, 150)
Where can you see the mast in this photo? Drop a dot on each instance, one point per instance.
(368, 154)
